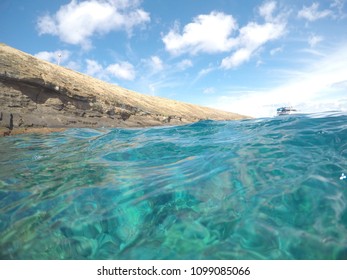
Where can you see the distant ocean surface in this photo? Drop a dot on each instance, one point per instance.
(253, 189)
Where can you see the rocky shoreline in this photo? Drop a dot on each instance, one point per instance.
(36, 95)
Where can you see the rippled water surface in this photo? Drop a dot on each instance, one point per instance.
(254, 189)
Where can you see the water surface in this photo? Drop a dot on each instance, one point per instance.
(253, 189)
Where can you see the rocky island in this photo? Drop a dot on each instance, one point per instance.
(36, 95)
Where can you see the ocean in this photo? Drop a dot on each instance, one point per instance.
(270, 189)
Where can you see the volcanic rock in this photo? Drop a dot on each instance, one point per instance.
(38, 94)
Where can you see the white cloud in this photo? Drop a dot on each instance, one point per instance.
(123, 70)
(209, 90)
(339, 5)
(267, 9)
(312, 13)
(238, 57)
(276, 51)
(213, 33)
(156, 63)
(253, 36)
(75, 23)
(153, 86)
(340, 85)
(207, 33)
(74, 65)
(313, 89)
(205, 71)
(259, 63)
(184, 64)
(313, 40)
(59, 56)
(152, 66)
(94, 68)
(313, 51)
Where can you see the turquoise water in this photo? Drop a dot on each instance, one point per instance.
(253, 189)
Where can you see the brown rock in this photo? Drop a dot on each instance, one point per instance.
(38, 94)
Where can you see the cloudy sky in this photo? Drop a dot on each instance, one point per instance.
(248, 57)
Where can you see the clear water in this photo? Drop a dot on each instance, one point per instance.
(254, 189)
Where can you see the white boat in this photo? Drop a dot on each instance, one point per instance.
(285, 111)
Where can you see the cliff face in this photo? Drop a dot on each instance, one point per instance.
(39, 94)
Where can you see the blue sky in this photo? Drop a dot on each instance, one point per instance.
(248, 57)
